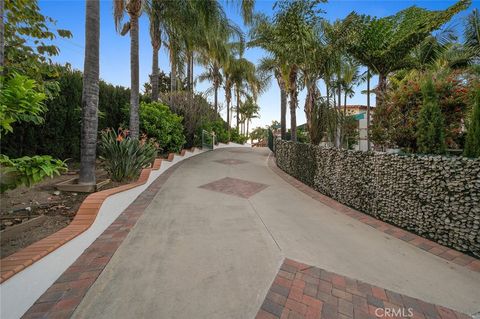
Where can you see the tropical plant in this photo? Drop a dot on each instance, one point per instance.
(134, 10)
(249, 110)
(21, 100)
(28, 170)
(124, 157)
(90, 94)
(431, 129)
(384, 44)
(158, 122)
(27, 43)
(472, 142)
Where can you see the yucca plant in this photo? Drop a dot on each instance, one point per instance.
(124, 157)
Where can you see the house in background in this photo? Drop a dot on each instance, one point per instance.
(360, 114)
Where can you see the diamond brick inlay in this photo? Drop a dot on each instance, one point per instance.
(230, 161)
(302, 291)
(235, 186)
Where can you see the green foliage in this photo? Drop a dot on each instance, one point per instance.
(27, 170)
(195, 110)
(20, 101)
(219, 127)
(384, 43)
(157, 121)
(395, 123)
(28, 43)
(124, 158)
(472, 143)
(431, 129)
(236, 137)
(59, 134)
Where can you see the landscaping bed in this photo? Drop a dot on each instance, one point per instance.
(30, 214)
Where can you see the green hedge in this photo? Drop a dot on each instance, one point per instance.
(59, 135)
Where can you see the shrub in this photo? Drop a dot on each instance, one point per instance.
(195, 110)
(237, 138)
(472, 143)
(431, 128)
(218, 126)
(27, 170)
(124, 157)
(20, 101)
(157, 121)
(59, 134)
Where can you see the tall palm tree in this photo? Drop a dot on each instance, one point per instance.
(90, 93)
(134, 10)
(154, 11)
(274, 66)
(2, 33)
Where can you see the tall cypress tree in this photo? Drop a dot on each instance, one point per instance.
(472, 143)
(430, 127)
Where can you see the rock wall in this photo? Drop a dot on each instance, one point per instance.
(433, 196)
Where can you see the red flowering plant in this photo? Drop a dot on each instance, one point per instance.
(395, 124)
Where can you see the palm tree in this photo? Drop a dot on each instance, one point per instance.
(134, 10)
(272, 65)
(90, 94)
(249, 111)
(2, 34)
(154, 11)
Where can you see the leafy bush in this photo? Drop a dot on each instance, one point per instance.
(195, 110)
(472, 143)
(395, 123)
(123, 157)
(237, 138)
(20, 101)
(59, 134)
(218, 126)
(431, 129)
(27, 170)
(157, 121)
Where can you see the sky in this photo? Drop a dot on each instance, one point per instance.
(115, 49)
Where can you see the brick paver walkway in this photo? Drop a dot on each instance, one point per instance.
(302, 291)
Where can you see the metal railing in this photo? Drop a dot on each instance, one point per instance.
(208, 140)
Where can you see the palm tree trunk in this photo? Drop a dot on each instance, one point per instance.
(345, 104)
(191, 72)
(368, 109)
(381, 89)
(238, 109)
(248, 123)
(154, 79)
(189, 86)
(173, 77)
(134, 76)
(90, 93)
(216, 98)
(2, 34)
(283, 113)
(293, 102)
(228, 97)
(338, 135)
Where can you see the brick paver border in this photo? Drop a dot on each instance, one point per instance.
(84, 218)
(302, 291)
(63, 297)
(413, 239)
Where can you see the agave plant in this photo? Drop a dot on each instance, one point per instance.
(124, 157)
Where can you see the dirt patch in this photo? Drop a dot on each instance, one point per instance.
(23, 203)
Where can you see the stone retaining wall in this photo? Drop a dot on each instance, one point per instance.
(436, 197)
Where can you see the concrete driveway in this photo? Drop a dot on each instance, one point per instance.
(214, 237)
